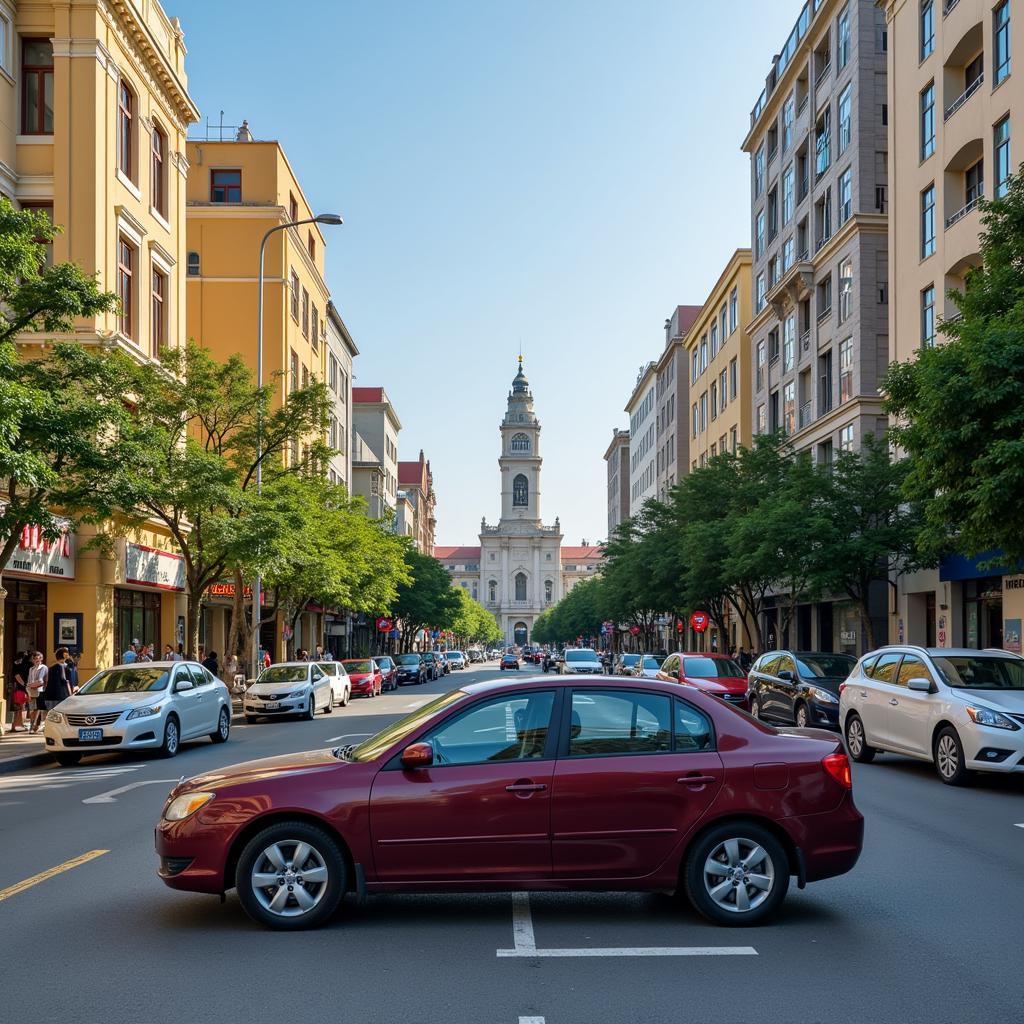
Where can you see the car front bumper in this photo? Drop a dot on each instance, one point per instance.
(137, 734)
(290, 706)
(362, 686)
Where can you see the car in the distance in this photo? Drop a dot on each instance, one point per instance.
(410, 670)
(432, 663)
(143, 706)
(714, 674)
(456, 659)
(959, 708)
(509, 662)
(579, 784)
(341, 688)
(580, 660)
(365, 676)
(647, 667)
(289, 688)
(388, 672)
(475, 655)
(798, 687)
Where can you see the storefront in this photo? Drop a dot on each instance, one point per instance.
(148, 600)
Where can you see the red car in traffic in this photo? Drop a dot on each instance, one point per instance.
(714, 674)
(541, 784)
(365, 676)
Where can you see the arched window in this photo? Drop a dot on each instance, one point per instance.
(519, 443)
(520, 586)
(549, 589)
(520, 492)
(492, 591)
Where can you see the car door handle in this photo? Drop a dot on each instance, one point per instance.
(696, 780)
(525, 787)
(894, 702)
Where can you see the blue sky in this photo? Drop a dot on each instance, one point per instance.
(555, 174)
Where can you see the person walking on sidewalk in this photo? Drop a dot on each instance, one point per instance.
(20, 695)
(36, 685)
(131, 654)
(58, 682)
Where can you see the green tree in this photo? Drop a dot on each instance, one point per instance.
(427, 600)
(959, 407)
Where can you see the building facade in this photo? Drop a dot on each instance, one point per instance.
(341, 351)
(376, 427)
(417, 483)
(616, 459)
(643, 480)
(672, 397)
(956, 111)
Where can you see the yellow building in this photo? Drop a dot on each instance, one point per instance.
(718, 364)
(236, 192)
(94, 107)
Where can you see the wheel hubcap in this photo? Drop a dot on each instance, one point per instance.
(224, 725)
(855, 738)
(801, 717)
(172, 736)
(948, 759)
(289, 878)
(739, 875)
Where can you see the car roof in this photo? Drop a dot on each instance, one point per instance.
(943, 652)
(291, 664)
(157, 664)
(546, 682)
(703, 654)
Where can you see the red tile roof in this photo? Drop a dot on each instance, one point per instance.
(413, 473)
(687, 316)
(367, 394)
(580, 553)
(457, 554)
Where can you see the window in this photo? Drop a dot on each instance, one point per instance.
(788, 116)
(845, 118)
(787, 254)
(759, 235)
(928, 317)
(824, 217)
(723, 389)
(714, 340)
(821, 144)
(125, 128)
(788, 342)
(927, 28)
(825, 383)
(734, 312)
(721, 325)
(492, 589)
(193, 265)
(225, 186)
(305, 313)
(759, 293)
(704, 412)
(787, 194)
(714, 400)
(789, 408)
(293, 371)
(293, 207)
(974, 183)
(305, 376)
(519, 443)
(703, 353)
(843, 39)
(295, 296)
(759, 364)
(509, 728)
(846, 438)
(845, 370)
(759, 171)
(733, 439)
(549, 591)
(1001, 153)
(846, 195)
(608, 722)
(928, 121)
(46, 208)
(928, 221)
(773, 213)
(158, 174)
(314, 325)
(693, 411)
(1001, 42)
(845, 289)
(824, 297)
(126, 257)
(311, 246)
(158, 312)
(762, 419)
(36, 87)
(696, 368)
(520, 492)
(734, 375)
(520, 586)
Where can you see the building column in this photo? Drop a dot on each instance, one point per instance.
(538, 587)
(505, 595)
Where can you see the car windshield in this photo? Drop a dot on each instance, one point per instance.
(819, 666)
(650, 661)
(580, 656)
(452, 655)
(629, 660)
(408, 659)
(283, 674)
(127, 680)
(357, 666)
(981, 672)
(709, 668)
(372, 748)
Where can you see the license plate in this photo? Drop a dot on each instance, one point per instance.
(271, 705)
(90, 735)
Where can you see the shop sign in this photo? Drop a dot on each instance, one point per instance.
(699, 621)
(1011, 635)
(384, 625)
(227, 590)
(848, 636)
(151, 567)
(37, 556)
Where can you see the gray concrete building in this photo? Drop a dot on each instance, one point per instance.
(672, 398)
(616, 458)
(341, 351)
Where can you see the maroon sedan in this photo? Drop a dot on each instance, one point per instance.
(365, 676)
(716, 674)
(572, 784)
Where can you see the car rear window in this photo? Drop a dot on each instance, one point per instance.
(580, 656)
(358, 666)
(709, 668)
(819, 665)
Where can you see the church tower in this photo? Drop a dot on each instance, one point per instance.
(520, 459)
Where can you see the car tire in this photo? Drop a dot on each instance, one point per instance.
(755, 709)
(802, 711)
(948, 753)
(251, 719)
(310, 712)
(285, 839)
(330, 704)
(736, 846)
(346, 697)
(172, 737)
(857, 741)
(223, 730)
(68, 760)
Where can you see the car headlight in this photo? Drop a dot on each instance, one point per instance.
(187, 804)
(986, 716)
(147, 712)
(54, 716)
(822, 695)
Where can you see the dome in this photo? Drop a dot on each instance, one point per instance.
(520, 385)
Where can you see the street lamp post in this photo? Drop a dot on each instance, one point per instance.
(323, 218)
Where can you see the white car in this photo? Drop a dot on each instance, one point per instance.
(142, 706)
(581, 660)
(647, 667)
(341, 687)
(455, 658)
(289, 688)
(959, 708)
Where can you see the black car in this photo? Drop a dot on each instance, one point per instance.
(798, 687)
(432, 663)
(411, 670)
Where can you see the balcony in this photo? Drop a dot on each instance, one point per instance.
(948, 6)
(805, 340)
(805, 415)
(963, 97)
(962, 212)
(822, 75)
(795, 284)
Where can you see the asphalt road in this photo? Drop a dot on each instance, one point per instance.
(926, 928)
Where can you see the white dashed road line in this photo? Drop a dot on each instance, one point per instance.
(111, 795)
(531, 1020)
(1019, 824)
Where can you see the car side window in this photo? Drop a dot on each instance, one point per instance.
(785, 664)
(912, 668)
(884, 670)
(867, 665)
(317, 673)
(181, 675)
(508, 728)
(693, 729)
(196, 672)
(209, 676)
(671, 666)
(769, 663)
(620, 722)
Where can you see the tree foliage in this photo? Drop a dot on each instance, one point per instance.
(427, 600)
(472, 622)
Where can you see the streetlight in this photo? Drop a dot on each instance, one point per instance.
(333, 219)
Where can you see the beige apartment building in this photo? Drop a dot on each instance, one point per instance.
(672, 397)
(375, 430)
(956, 114)
(616, 458)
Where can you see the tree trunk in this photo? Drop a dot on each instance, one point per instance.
(192, 618)
(867, 625)
(238, 636)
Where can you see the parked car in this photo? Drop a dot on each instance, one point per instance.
(432, 663)
(509, 662)
(475, 656)
(142, 706)
(624, 664)
(388, 672)
(580, 660)
(550, 660)
(647, 667)
(365, 676)
(798, 687)
(289, 688)
(715, 674)
(411, 669)
(959, 708)
(443, 663)
(456, 659)
(341, 687)
(710, 802)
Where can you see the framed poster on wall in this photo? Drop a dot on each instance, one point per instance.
(67, 631)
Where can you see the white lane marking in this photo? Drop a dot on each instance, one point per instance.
(526, 943)
(1019, 824)
(61, 778)
(347, 736)
(531, 1020)
(111, 795)
(419, 703)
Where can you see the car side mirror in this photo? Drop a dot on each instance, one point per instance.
(786, 674)
(920, 684)
(182, 685)
(418, 755)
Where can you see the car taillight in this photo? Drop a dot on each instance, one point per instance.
(842, 686)
(838, 766)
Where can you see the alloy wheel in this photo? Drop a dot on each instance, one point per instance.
(739, 875)
(855, 737)
(802, 716)
(171, 737)
(947, 756)
(289, 878)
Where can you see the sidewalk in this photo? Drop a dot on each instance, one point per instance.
(20, 750)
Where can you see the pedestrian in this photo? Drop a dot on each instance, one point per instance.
(230, 668)
(319, 653)
(36, 685)
(168, 653)
(266, 659)
(744, 659)
(131, 654)
(71, 664)
(146, 654)
(179, 654)
(210, 663)
(19, 698)
(58, 685)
